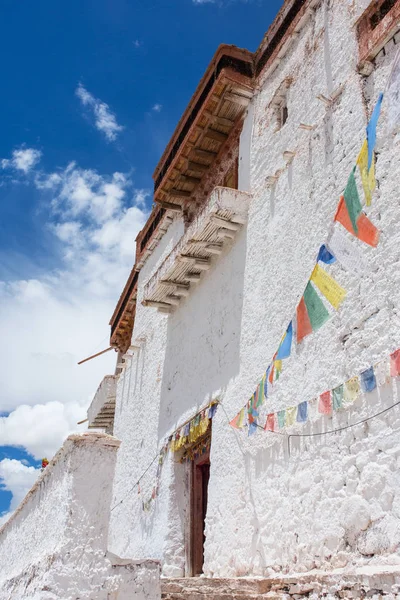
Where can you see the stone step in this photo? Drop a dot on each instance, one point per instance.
(202, 588)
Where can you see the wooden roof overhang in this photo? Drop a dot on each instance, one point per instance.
(218, 103)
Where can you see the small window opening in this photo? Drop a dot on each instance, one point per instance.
(282, 114)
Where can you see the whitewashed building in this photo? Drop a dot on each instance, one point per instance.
(245, 195)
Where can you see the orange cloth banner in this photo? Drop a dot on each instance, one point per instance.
(367, 232)
(303, 321)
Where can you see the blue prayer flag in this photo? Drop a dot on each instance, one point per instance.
(326, 256)
(212, 410)
(302, 412)
(286, 344)
(368, 380)
(266, 383)
(252, 428)
(371, 130)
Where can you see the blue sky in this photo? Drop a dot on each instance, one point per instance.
(92, 91)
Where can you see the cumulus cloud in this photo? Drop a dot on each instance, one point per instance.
(17, 478)
(22, 159)
(52, 322)
(105, 119)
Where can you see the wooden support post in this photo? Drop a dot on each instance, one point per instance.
(156, 304)
(237, 99)
(194, 166)
(218, 136)
(225, 234)
(192, 277)
(169, 205)
(179, 193)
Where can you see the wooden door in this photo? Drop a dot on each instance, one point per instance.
(200, 478)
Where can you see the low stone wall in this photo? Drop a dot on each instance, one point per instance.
(54, 547)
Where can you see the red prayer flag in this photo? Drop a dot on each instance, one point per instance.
(303, 321)
(325, 403)
(270, 423)
(367, 232)
(395, 363)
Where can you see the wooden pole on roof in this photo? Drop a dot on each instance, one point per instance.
(95, 355)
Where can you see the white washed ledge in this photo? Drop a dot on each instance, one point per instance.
(223, 215)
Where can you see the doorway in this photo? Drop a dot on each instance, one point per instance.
(199, 499)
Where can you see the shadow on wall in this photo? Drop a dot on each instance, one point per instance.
(203, 339)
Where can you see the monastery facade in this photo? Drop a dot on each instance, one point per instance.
(252, 432)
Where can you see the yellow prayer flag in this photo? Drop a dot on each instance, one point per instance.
(332, 291)
(367, 177)
(278, 368)
(290, 416)
(351, 390)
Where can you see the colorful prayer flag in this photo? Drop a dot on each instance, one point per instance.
(337, 397)
(281, 418)
(303, 321)
(302, 412)
(286, 344)
(253, 427)
(371, 129)
(238, 421)
(271, 373)
(395, 363)
(260, 395)
(347, 252)
(325, 256)
(352, 200)
(212, 410)
(351, 390)
(290, 416)
(266, 383)
(332, 291)
(317, 312)
(367, 175)
(278, 369)
(382, 372)
(367, 232)
(270, 423)
(368, 380)
(325, 403)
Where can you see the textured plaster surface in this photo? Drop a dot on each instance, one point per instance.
(334, 502)
(55, 546)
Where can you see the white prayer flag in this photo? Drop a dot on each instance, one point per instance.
(347, 253)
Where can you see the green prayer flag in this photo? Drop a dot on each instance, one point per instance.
(281, 418)
(352, 200)
(337, 394)
(317, 312)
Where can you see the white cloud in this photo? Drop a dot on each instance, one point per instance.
(40, 429)
(157, 108)
(17, 478)
(137, 43)
(105, 119)
(52, 322)
(22, 159)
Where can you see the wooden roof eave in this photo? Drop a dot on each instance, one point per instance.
(238, 92)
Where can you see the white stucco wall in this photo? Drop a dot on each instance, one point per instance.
(334, 501)
(54, 547)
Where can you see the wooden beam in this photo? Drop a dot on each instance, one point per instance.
(194, 166)
(165, 311)
(169, 205)
(224, 223)
(199, 263)
(95, 355)
(192, 277)
(223, 121)
(237, 99)
(179, 193)
(225, 233)
(156, 304)
(189, 179)
(218, 136)
(214, 248)
(200, 153)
